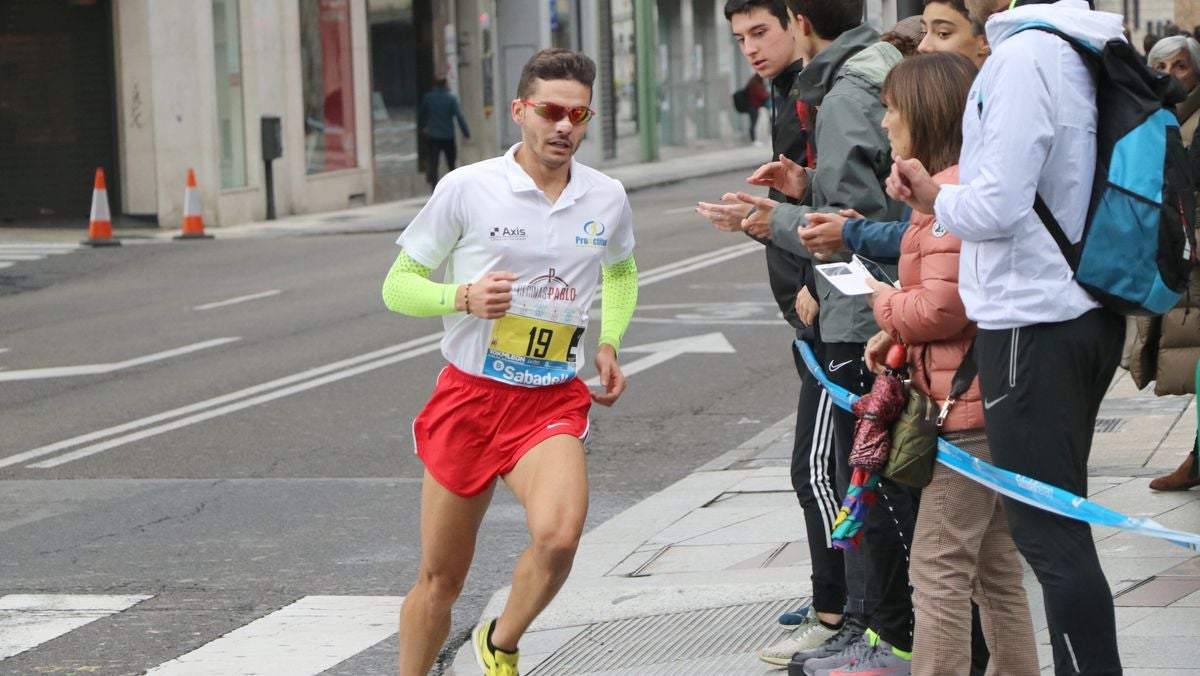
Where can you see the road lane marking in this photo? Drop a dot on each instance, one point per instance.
(356, 365)
(738, 314)
(47, 247)
(215, 401)
(94, 369)
(698, 262)
(302, 639)
(239, 299)
(709, 343)
(29, 620)
(16, 252)
(236, 406)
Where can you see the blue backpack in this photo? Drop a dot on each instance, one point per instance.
(1138, 243)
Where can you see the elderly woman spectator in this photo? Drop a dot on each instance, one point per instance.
(1166, 349)
(1179, 56)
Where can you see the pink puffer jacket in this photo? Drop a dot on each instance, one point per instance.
(927, 314)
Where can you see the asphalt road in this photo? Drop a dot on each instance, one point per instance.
(222, 427)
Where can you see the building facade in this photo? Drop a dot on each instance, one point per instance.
(147, 89)
(170, 85)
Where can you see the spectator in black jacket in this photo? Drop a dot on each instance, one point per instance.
(764, 32)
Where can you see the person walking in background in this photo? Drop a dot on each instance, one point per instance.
(1046, 350)
(961, 548)
(509, 404)
(756, 98)
(435, 118)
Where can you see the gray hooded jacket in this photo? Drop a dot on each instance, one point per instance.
(853, 160)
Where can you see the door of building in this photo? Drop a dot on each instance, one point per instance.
(57, 111)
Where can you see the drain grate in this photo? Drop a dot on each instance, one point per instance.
(712, 641)
(1108, 425)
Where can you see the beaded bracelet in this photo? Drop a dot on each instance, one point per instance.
(467, 299)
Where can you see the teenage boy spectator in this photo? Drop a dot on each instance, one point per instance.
(946, 26)
(1046, 350)
(846, 67)
(764, 32)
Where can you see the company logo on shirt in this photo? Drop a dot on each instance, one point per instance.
(593, 235)
(547, 287)
(507, 234)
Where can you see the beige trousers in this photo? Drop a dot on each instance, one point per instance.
(962, 551)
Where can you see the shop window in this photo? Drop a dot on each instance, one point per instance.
(328, 75)
(231, 121)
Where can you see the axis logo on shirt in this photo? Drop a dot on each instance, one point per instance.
(547, 287)
(593, 235)
(507, 234)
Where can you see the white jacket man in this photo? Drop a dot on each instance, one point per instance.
(1046, 351)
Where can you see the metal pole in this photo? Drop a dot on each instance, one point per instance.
(608, 99)
(647, 85)
(269, 180)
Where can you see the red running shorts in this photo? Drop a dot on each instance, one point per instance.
(474, 429)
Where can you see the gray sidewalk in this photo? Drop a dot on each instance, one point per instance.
(678, 164)
(690, 580)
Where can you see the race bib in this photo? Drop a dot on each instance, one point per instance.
(534, 345)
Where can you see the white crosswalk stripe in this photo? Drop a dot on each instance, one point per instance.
(29, 620)
(303, 638)
(16, 252)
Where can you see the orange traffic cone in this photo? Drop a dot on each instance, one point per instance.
(100, 224)
(193, 216)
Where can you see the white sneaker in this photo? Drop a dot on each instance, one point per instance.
(810, 634)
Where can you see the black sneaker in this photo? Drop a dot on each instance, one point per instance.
(850, 632)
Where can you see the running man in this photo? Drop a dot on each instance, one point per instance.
(527, 238)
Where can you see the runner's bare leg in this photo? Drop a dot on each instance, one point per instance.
(551, 482)
(449, 524)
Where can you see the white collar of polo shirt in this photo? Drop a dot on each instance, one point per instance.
(519, 181)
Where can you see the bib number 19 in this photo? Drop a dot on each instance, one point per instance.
(539, 342)
(541, 339)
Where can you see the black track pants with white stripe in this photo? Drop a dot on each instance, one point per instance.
(814, 474)
(1042, 386)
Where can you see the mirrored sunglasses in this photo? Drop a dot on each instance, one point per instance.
(554, 112)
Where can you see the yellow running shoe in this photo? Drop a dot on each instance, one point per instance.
(493, 662)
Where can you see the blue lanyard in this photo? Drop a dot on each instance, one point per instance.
(1016, 486)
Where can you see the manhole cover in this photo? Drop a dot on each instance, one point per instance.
(710, 641)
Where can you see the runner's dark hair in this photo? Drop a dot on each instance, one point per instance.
(556, 63)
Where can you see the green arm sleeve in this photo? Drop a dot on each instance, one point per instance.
(620, 292)
(408, 290)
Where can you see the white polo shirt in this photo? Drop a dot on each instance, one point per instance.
(490, 216)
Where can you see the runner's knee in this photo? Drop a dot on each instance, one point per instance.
(442, 587)
(555, 547)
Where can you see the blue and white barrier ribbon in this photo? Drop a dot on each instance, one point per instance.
(1018, 487)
